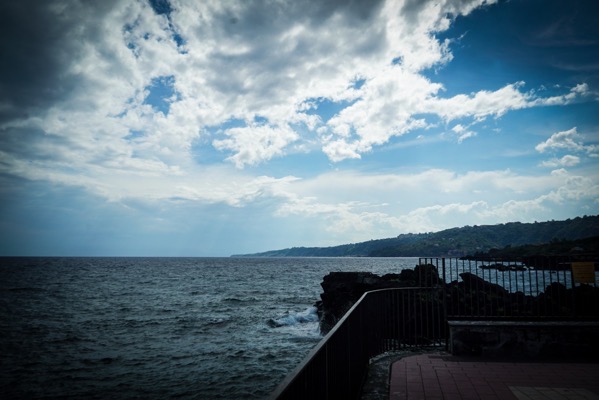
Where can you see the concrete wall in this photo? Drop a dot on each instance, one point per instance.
(515, 339)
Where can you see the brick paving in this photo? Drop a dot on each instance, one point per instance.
(443, 376)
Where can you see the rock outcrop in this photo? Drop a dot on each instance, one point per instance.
(470, 297)
(342, 289)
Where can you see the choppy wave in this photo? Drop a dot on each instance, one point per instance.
(216, 328)
(292, 319)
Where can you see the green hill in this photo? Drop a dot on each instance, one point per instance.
(580, 247)
(456, 242)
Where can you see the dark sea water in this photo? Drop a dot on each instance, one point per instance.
(201, 328)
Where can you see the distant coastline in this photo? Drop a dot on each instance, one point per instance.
(463, 241)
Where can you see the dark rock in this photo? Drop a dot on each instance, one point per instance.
(426, 275)
(341, 290)
(471, 297)
(475, 283)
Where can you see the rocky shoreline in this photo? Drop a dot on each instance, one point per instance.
(471, 296)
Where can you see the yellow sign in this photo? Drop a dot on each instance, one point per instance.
(583, 272)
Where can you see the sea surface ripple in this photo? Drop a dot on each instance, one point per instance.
(191, 328)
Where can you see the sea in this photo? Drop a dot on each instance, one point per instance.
(155, 328)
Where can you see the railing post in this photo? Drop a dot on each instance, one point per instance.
(444, 328)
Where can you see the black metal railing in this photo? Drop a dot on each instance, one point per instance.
(381, 321)
(543, 288)
(448, 288)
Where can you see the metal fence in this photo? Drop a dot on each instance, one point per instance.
(543, 288)
(381, 321)
(394, 319)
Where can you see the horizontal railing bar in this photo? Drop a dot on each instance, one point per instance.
(326, 341)
(394, 318)
(320, 346)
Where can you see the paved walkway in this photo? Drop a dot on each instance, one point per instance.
(442, 376)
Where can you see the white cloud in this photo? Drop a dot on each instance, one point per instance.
(458, 128)
(481, 104)
(564, 189)
(390, 102)
(254, 144)
(566, 140)
(463, 133)
(565, 161)
(466, 135)
(247, 81)
(363, 206)
(580, 90)
(240, 62)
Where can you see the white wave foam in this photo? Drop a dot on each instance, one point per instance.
(307, 316)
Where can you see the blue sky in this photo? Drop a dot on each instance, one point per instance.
(180, 128)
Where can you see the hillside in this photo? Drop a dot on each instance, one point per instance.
(584, 246)
(453, 242)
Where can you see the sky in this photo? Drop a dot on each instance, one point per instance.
(211, 128)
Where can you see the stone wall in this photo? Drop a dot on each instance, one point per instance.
(525, 339)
